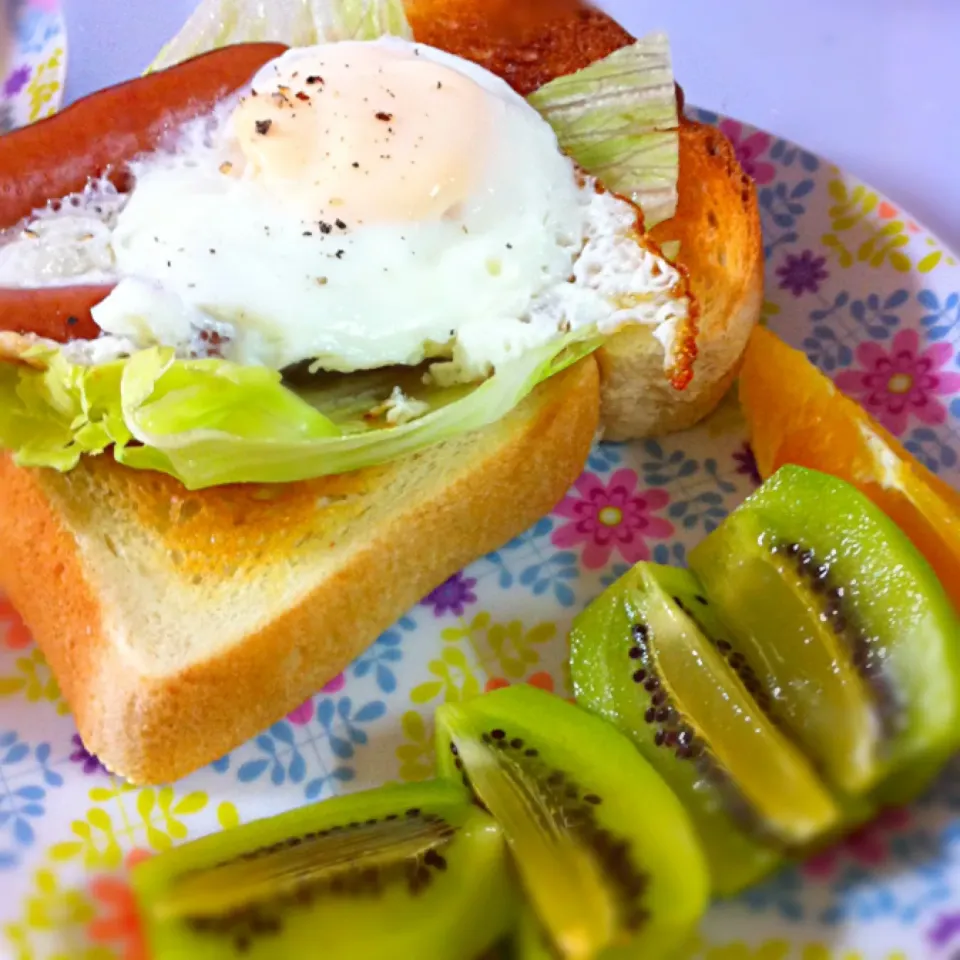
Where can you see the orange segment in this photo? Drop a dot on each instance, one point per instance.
(796, 415)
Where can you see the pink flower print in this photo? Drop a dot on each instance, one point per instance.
(869, 846)
(303, 714)
(904, 382)
(616, 518)
(336, 684)
(749, 150)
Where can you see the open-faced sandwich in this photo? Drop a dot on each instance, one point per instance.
(290, 332)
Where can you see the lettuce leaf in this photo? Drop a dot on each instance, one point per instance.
(618, 119)
(297, 23)
(212, 422)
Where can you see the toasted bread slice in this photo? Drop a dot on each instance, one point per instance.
(531, 42)
(181, 624)
(718, 227)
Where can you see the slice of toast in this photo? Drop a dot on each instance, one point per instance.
(181, 624)
(531, 42)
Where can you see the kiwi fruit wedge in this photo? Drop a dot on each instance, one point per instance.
(531, 941)
(846, 628)
(415, 870)
(650, 656)
(605, 852)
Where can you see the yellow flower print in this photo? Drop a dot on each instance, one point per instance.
(53, 923)
(727, 418)
(874, 231)
(34, 680)
(417, 755)
(44, 86)
(513, 646)
(767, 311)
(506, 651)
(456, 679)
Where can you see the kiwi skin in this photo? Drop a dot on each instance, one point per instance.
(457, 899)
(899, 627)
(626, 800)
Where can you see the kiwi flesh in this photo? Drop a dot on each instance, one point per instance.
(846, 627)
(415, 870)
(531, 941)
(650, 656)
(604, 850)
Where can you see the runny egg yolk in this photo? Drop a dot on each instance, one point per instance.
(365, 134)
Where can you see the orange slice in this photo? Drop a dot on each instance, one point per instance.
(797, 415)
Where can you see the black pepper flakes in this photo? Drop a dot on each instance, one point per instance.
(325, 227)
(355, 165)
(263, 127)
(340, 225)
(314, 80)
(339, 254)
(72, 321)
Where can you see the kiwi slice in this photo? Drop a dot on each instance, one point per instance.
(531, 941)
(650, 656)
(845, 626)
(415, 870)
(605, 851)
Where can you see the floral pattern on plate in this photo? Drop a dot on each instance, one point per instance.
(874, 300)
(33, 61)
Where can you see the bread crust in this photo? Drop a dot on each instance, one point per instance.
(718, 228)
(151, 724)
(531, 42)
(153, 727)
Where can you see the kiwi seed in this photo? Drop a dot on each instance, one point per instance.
(674, 735)
(576, 813)
(862, 649)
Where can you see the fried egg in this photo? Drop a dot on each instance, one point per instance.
(365, 204)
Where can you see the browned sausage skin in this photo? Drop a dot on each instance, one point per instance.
(95, 137)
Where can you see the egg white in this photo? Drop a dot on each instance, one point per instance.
(535, 252)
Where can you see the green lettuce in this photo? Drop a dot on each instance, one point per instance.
(210, 422)
(297, 23)
(618, 119)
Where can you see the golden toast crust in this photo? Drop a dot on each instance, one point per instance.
(154, 726)
(150, 726)
(531, 42)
